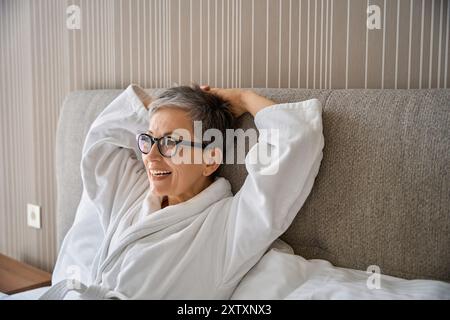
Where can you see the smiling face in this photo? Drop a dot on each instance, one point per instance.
(178, 181)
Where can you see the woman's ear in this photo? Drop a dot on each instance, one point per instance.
(212, 158)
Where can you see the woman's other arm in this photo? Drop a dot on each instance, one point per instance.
(290, 134)
(111, 170)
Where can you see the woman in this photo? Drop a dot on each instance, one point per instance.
(149, 227)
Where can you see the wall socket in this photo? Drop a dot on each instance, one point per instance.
(33, 216)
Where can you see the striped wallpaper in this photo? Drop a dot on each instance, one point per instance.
(228, 43)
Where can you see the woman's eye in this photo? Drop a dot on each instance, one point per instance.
(170, 141)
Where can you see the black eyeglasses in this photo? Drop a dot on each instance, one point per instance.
(167, 145)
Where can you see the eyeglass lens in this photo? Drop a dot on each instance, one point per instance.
(166, 145)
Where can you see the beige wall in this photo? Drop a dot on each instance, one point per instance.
(308, 44)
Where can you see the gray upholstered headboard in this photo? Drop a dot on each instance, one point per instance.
(382, 196)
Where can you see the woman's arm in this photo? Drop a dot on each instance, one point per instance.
(254, 103)
(241, 100)
(113, 175)
(290, 134)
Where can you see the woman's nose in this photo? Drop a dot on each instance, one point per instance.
(153, 154)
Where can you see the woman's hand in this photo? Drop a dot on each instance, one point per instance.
(233, 96)
(241, 100)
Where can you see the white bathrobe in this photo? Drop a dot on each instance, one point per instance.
(123, 245)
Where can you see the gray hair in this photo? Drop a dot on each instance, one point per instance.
(213, 111)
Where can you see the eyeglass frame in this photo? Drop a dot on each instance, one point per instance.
(154, 140)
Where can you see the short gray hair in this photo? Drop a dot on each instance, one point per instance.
(213, 111)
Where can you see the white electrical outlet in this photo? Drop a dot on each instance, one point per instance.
(33, 216)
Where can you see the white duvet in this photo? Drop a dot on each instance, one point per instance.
(282, 275)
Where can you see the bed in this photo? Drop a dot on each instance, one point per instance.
(378, 211)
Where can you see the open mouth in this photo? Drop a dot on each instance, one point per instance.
(160, 173)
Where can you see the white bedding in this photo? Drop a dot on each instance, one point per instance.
(282, 275)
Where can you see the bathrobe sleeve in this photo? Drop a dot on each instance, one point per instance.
(276, 186)
(111, 167)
